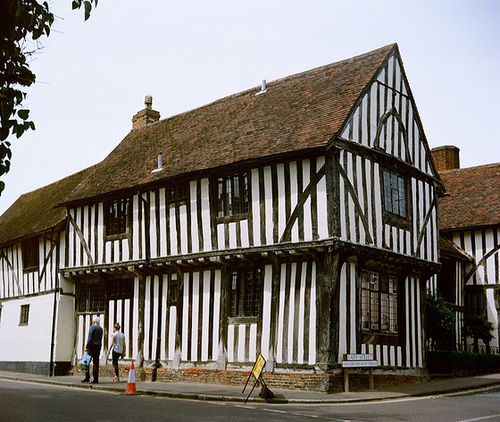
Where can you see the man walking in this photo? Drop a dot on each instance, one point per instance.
(93, 348)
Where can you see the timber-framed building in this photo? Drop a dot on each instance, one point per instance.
(470, 222)
(297, 220)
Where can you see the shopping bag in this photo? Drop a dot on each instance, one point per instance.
(84, 366)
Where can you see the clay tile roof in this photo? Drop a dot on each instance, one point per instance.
(473, 197)
(34, 212)
(299, 112)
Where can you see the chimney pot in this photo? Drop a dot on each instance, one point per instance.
(146, 115)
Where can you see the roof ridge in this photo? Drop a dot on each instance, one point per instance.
(470, 168)
(283, 79)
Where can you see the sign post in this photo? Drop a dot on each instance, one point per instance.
(257, 373)
(363, 360)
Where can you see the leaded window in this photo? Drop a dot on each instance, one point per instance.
(379, 302)
(117, 216)
(245, 292)
(91, 298)
(232, 195)
(178, 193)
(121, 288)
(395, 194)
(30, 254)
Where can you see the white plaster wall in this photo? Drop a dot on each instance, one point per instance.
(65, 329)
(29, 343)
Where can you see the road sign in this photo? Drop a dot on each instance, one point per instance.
(359, 364)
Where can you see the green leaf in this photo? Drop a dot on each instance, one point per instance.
(88, 8)
(23, 114)
(75, 4)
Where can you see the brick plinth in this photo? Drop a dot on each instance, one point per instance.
(315, 381)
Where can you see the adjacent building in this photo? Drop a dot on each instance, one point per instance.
(470, 222)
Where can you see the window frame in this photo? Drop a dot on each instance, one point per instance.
(24, 315)
(118, 225)
(177, 194)
(120, 289)
(245, 301)
(232, 195)
(377, 297)
(91, 298)
(30, 255)
(390, 202)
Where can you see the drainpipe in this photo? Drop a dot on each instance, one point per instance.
(52, 369)
(156, 365)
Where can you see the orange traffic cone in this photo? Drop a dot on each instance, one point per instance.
(131, 380)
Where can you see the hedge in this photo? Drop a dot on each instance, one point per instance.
(444, 362)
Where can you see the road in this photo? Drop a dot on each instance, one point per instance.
(26, 402)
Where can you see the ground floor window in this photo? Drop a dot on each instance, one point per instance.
(91, 298)
(379, 302)
(25, 313)
(245, 292)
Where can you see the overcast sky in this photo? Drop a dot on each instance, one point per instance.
(92, 76)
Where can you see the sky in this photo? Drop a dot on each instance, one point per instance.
(92, 76)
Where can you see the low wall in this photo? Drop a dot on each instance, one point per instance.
(312, 381)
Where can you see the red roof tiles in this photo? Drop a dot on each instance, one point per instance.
(35, 212)
(472, 197)
(299, 112)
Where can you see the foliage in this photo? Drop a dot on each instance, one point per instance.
(22, 24)
(479, 328)
(87, 5)
(440, 322)
(453, 361)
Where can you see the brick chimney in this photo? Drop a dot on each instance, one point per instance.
(446, 157)
(145, 116)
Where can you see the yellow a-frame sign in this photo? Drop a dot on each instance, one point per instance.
(257, 373)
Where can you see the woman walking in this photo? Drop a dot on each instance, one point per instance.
(118, 347)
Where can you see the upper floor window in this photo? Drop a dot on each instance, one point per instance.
(29, 250)
(379, 303)
(232, 195)
(245, 292)
(117, 216)
(395, 194)
(178, 193)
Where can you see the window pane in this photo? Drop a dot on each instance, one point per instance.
(245, 193)
(387, 191)
(220, 197)
(234, 294)
(402, 200)
(374, 311)
(228, 203)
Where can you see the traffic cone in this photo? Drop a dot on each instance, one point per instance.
(131, 380)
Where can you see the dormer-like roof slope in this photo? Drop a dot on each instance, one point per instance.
(35, 212)
(299, 112)
(450, 249)
(473, 198)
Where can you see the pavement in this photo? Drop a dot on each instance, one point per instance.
(212, 392)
